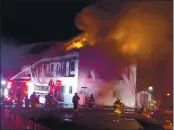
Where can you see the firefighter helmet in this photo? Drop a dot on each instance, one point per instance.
(118, 98)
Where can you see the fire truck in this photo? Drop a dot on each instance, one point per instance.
(24, 84)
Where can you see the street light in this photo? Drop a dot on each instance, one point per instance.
(150, 88)
(168, 94)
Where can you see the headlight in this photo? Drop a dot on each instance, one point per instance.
(3, 82)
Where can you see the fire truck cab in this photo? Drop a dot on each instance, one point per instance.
(23, 84)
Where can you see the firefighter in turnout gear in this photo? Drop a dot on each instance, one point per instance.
(33, 99)
(48, 99)
(91, 101)
(143, 109)
(27, 102)
(75, 101)
(118, 107)
(118, 103)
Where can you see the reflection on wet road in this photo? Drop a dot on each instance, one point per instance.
(85, 116)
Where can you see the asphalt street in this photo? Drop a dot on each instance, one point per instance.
(85, 117)
(93, 119)
(96, 118)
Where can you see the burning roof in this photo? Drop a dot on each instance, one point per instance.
(77, 42)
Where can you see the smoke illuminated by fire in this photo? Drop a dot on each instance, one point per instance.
(140, 29)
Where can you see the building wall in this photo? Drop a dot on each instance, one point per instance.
(144, 98)
(106, 93)
(58, 68)
(104, 79)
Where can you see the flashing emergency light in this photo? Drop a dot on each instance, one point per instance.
(27, 83)
(3, 82)
(9, 83)
(8, 98)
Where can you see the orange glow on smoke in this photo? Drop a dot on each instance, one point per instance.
(130, 48)
(135, 31)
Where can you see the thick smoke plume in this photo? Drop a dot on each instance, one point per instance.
(138, 29)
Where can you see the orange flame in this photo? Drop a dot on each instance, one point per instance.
(77, 42)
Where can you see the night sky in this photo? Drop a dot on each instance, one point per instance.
(30, 22)
(27, 22)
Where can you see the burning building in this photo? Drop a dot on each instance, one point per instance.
(101, 60)
(86, 70)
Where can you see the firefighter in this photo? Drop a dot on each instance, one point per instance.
(18, 94)
(118, 102)
(52, 86)
(118, 105)
(91, 100)
(142, 110)
(48, 99)
(33, 99)
(75, 101)
(57, 88)
(27, 101)
(37, 101)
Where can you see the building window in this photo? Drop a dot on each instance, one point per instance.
(58, 69)
(72, 65)
(52, 67)
(45, 67)
(114, 93)
(63, 74)
(47, 70)
(72, 68)
(44, 72)
(37, 72)
(70, 89)
(63, 89)
(67, 68)
(40, 72)
(52, 70)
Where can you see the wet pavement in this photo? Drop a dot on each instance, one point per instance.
(84, 116)
(62, 105)
(91, 118)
